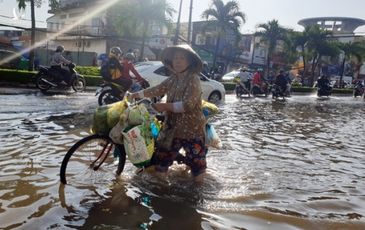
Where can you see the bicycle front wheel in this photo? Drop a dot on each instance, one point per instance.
(91, 160)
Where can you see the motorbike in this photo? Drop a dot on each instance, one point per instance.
(48, 78)
(278, 92)
(359, 89)
(110, 92)
(324, 91)
(257, 90)
(240, 90)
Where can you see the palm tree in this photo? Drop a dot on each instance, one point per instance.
(351, 49)
(319, 45)
(272, 32)
(134, 18)
(22, 5)
(300, 39)
(225, 17)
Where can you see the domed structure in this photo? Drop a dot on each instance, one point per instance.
(338, 25)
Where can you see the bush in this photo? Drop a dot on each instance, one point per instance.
(17, 76)
(88, 70)
(229, 86)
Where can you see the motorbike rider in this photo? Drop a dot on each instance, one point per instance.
(257, 80)
(128, 67)
(57, 60)
(116, 69)
(358, 88)
(205, 69)
(281, 81)
(245, 80)
(323, 84)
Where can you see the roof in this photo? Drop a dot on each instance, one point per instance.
(335, 24)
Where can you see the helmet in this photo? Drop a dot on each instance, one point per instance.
(116, 51)
(130, 56)
(60, 49)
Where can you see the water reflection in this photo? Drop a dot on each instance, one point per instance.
(294, 164)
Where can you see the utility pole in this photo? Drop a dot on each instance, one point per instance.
(189, 25)
(178, 25)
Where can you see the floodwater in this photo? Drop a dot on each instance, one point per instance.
(298, 164)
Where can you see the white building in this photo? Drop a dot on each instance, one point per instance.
(79, 28)
(83, 27)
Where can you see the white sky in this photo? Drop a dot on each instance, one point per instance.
(287, 12)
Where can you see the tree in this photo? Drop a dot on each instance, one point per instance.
(270, 34)
(225, 17)
(351, 49)
(22, 4)
(319, 44)
(135, 18)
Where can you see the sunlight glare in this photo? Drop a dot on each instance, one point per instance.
(95, 11)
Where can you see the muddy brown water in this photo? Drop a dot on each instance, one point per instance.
(298, 164)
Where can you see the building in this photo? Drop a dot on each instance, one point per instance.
(343, 29)
(85, 33)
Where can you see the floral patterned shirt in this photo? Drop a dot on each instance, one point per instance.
(184, 88)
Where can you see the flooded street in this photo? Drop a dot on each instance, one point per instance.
(298, 164)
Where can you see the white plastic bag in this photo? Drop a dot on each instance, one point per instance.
(139, 147)
(211, 137)
(116, 133)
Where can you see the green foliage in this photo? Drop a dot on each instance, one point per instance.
(229, 86)
(88, 70)
(93, 80)
(132, 18)
(14, 77)
(17, 76)
(225, 17)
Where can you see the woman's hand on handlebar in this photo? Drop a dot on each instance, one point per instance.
(131, 96)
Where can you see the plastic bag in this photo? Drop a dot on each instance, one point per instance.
(114, 112)
(211, 137)
(107, 116)
(209, 109)
(116, 133)
(137, 115)
(100, 124)
(139, 144)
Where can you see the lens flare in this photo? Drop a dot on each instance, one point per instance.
(99, 8)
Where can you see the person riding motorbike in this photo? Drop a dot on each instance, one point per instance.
(128, 67)
(245, 80)
(258, 84)
(323, 85)
(116, 70)
(57, 60)
(281, 81)
(358, 88)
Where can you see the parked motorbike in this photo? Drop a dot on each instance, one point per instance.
(48, 78)
(359, 89)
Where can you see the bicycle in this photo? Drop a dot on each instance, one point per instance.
(92, 156)
(87, 156)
